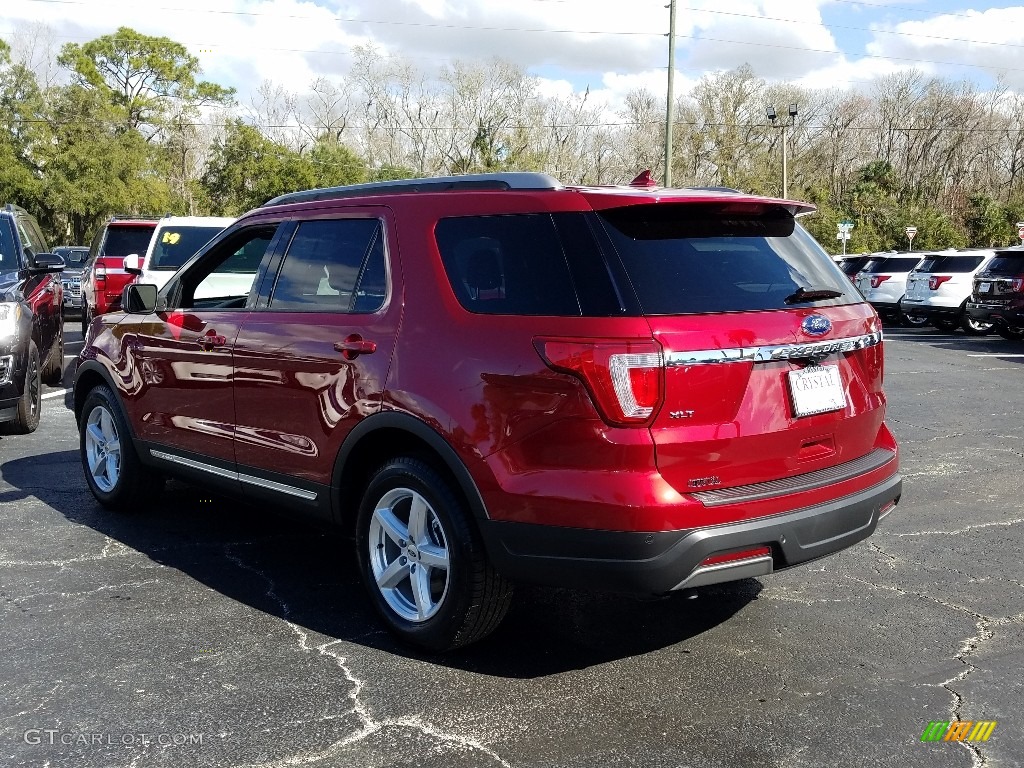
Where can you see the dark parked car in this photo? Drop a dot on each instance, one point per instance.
(486, 379)
(75, 257)
(31, 320)
(998, 295)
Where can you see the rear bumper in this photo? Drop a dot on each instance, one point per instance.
(660, 562)
(1000, 314)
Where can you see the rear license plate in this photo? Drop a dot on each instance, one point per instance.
(816, 389)
(984, 287)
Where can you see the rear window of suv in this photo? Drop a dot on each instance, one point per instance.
(123, 241)
(955, 264)
(891, 264)
(1007, 263)
(693, 258)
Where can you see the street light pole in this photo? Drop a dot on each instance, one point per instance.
(670, 112)
(772, 117)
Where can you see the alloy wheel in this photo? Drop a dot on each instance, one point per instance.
(409, 555)
(103, 449)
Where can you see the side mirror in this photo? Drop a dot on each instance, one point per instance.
(133, 264)
(139, 298)
(47, 262)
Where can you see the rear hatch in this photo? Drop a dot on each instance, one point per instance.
(773, 361)
(943, 279)
(884, 278)
(1002, 280)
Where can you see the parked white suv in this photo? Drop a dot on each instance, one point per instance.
(940, 286)
(175, 241)
(883, 281)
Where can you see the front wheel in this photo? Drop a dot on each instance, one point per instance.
(113, 472)
(30, 404)
(54, 372)
(423, 562)
(1011, 333)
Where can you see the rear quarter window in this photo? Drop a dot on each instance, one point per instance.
(507, 265)
(693, 258)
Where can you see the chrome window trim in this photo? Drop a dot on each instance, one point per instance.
(771, 354)
(250, 479)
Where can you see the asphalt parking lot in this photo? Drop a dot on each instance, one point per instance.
(201, 632)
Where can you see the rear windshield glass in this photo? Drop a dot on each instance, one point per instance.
(956, 264)
(176, 245)
(852, 266)
(123, 241)
(891, 264)
(692, 258)
(1007, 263)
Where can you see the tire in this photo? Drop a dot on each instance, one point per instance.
(85, 318)
(912, 320)
(30, 404)
(434, 589)
(974, 327)
(53, 374)
(113, 472)
(945, 324)
(1011, 333)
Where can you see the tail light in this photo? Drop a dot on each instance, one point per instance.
(1017, 285)
(625, 379)
(99, 272)
(877, 280)
(936, 280)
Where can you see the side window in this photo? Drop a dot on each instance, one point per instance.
(507, 265)
(9, 259)
(29, 244)
(223, 277)
(333, 265)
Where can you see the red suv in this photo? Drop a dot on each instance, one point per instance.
(104, 278)
(494, 378)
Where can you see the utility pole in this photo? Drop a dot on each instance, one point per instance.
(772, 117)
(670, 116)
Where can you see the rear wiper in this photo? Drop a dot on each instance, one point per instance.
(804, 295)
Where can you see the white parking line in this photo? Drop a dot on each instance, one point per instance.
(996, 354)
(58, 393)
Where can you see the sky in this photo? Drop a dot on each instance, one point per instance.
(607, 47)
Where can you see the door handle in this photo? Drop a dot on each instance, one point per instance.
(355, 345)
(211, 339)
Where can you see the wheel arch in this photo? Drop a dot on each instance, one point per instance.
(89, 375)
(389, 435)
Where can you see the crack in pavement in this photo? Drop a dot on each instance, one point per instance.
(966, 529)
(370, 724)
(112, 548)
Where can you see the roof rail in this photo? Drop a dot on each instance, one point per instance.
(715, 189)
(468, 182)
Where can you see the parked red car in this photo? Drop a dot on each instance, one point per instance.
(104, 278)
(486, 379)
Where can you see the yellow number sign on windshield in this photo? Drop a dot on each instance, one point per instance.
(171, 237)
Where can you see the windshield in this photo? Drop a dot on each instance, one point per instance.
(73, 257)
(684, 259)
(176, 245)
(8, 256)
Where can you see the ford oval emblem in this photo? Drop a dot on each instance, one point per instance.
(816, 325)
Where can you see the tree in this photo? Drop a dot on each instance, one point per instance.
(143, 76)
(245, 169)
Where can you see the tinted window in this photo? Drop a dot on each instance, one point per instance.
(1007, 263)
(9, 259)
(954, 264)
(507, 265)
(852, 266)
(891, 264)
(176, 245)
(334, 265)
(691, 258)
(122, 241)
